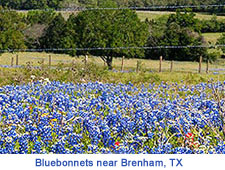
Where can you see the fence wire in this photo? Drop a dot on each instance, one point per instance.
(109, 48)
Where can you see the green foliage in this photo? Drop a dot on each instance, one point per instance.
(37, 22)
(181, 30)
(184, 20)
(221, 41)
(57, 36)
(213, 25)
(40, 17)
(31, 4)
(212, 56)
(110, 28)
(11, 27)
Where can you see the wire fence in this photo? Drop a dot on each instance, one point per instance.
(110, 48)
(53, 61)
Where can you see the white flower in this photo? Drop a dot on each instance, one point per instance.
(32, 77)
(47, 80)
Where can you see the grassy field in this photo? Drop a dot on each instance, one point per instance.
(38, 59)
(157, 14)
(77, 73)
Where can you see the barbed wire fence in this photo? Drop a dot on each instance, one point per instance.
(170, 63)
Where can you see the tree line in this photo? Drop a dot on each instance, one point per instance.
(106, 29)
(58, 4)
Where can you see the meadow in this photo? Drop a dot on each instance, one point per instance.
(45, 116)
(40, 59)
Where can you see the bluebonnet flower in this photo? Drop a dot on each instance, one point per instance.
(90, 117)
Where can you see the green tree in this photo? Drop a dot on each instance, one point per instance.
(58, 36)
(37, 22)
(110, 29)
(185, 20)
(11, 31)
(40, 17)
(31, 4)
(181, 30)
(221, 41)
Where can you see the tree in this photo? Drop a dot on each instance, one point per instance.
(37, 22)
(181, 30)
(110, 29)
(31, 4)
(11, 27)
(40, 17)
(221, 41)
(185, 20)
(57, 36)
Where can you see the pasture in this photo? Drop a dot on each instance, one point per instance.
(38, 59)
(157, 14)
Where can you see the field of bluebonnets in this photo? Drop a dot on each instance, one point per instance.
(54, 117)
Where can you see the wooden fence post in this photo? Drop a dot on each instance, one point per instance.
(42, 63)
(12, 61)
(122, 64)
(207, 67)
(160, 63)
(17, 60)
(171, 66)
(200, 65)
(49, 60)
(137, 68)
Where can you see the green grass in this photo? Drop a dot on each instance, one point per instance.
(34, 58)
(157, 14)
(78, 74)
